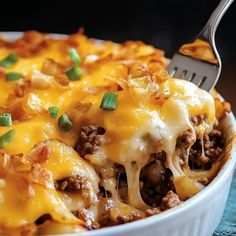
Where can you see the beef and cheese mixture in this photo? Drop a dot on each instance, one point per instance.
(95, 134)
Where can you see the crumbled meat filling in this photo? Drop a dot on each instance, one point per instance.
(152, 211)
(213, 144)
(72, 184)
(169, 201)
(86, 217)
(155, 180)
(152, 195)
(77, 184)
(89, 139)
(110, 213)
(213, 148)
(105, 219)
(185, 139)
(130, 217)
(199, 119)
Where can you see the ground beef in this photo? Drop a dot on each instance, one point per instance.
(185, 139)
(130, 217)
(72, 184)
(213, 144)
(109, 213)
(169, 201)
(105, 203)
(199, 119)
(152, 211)
(155, 180)
(89, 139)
(87, 218)
(154, 173)
(76, 184)
(107, 218)
(213, 148)
(152, 195)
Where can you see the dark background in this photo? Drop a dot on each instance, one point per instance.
(163, 23)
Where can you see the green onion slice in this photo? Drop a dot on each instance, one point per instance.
(74, 56)
(53, 111)
(74, 73)
(7, 138)
(64, 123)
(109, 101)
(9, 61)
(5, 120)
(11, 76)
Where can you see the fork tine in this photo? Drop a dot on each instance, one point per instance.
(180, 73)
(201, 85)
(198, 79)
(172, 71)
(189, 76)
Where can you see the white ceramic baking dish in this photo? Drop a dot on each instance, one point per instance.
(198, 216)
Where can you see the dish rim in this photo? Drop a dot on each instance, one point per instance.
(224, 173)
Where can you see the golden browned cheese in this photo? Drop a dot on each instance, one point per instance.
(151, 109)
(199, 49)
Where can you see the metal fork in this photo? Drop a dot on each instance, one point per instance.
(202, 73)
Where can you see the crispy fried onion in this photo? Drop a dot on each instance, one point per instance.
(144, 83)
(27, 167)
(56, 70)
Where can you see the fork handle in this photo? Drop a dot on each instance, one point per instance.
(208, 32)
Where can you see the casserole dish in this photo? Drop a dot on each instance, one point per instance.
(200, 214)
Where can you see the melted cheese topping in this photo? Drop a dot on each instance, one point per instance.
(199, 49)
(142, 128)
(152, 111)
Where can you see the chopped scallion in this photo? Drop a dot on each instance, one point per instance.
(109, 101)
(7, 138)
(64, 123)
(5, 120)
(9, 61)
(74, 56)
(74, 73)
(11, 76)
(53, 111)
